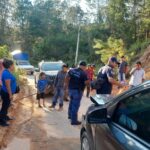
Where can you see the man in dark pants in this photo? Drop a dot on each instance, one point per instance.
(59, 87)
(76, 80)
(107, 74)
(123, 68)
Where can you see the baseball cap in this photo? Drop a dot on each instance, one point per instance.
(114, 59)
(65, 65)
(82, 63)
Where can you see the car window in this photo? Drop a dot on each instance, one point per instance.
(51, 66)
(23, 63)
(133, 113)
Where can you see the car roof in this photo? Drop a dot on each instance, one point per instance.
(51, 62)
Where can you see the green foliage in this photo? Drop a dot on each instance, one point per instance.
(4, 52)
(137, 49)
(110, 48)
(47, 29)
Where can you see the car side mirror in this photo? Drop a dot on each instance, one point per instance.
(97, 116)
(37, 70)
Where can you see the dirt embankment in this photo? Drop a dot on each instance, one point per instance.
(145, 59)
(6, 134)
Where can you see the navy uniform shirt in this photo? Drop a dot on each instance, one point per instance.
(105, 73)
(77, 79)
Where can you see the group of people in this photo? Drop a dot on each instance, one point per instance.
(71, 82)
(137, 73)
(74, 81)
(107, 73)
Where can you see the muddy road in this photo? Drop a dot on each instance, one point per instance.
(41, 129)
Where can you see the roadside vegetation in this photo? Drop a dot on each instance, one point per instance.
(48, 29)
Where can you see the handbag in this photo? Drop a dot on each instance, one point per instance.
(96, 84)
(17, 89)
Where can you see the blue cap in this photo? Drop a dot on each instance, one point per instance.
(82, 63)
(114, 59)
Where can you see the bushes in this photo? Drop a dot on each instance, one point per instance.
(137, 49)
(4, 52)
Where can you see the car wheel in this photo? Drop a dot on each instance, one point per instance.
(85, 142)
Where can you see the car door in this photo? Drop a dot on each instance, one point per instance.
(131, 121)
(104, 139)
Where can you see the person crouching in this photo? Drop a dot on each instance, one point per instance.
(41, 86)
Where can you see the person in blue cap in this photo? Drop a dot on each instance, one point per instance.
(76, 81)
(107, 74)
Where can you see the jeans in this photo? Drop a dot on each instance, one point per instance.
(75, 99)
(5, 105)
(59, 93)
(122, 77)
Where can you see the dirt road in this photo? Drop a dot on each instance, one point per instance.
(42, 129)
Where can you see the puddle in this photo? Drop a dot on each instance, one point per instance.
(19, 144)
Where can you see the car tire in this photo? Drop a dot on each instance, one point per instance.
(85, 142)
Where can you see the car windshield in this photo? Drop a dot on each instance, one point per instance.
(51, 66)
(23, 63)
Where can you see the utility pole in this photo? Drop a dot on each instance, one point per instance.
(77, 47)
(78, 38)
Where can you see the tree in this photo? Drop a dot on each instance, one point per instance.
(110, 48)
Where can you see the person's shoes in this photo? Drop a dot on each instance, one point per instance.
(76, 123)
(52, 107)
(44, 106)
(60, 108)
(4, 124)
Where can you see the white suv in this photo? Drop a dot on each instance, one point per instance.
(50, 69)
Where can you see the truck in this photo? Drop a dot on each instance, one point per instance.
(22, 62)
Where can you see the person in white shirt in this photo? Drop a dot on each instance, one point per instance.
(137, 75)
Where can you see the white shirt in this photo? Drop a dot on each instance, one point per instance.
(137, 77)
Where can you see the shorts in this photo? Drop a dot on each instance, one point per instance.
(40, 96)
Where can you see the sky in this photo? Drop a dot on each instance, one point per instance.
(74, 2)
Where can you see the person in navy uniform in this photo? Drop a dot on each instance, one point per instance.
(76, 81)
(107, 74)
(9, 86)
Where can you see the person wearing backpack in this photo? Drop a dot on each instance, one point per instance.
(106, 77)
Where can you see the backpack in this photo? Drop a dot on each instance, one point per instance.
(96, 84)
